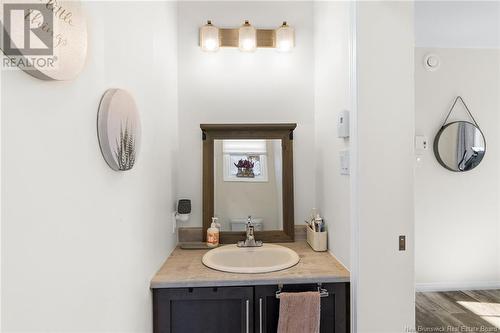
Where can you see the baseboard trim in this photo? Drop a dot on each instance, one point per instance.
(454, 286)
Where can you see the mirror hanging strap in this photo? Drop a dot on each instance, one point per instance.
(466, 108)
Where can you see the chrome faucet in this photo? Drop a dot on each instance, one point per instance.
(250, 237)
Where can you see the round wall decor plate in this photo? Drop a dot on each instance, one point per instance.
(118, 129)
(45, 38)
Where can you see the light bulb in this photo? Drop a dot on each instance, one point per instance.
(285, 38)
(210, 44)
(209, 37)
(247, 41)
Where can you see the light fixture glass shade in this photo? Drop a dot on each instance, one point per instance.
(209, 37)
(247, 40)
(285, 38)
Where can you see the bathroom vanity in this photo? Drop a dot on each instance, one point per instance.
(190, 297)
(247, 177)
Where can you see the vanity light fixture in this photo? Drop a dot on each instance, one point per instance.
(247, 38)
(285, 38)
(209, 37)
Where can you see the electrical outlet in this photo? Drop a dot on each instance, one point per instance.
(421, 144)
(344, 162)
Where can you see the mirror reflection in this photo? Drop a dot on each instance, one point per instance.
(248, 181)
(460, 146)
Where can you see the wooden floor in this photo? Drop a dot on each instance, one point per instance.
(458, 311)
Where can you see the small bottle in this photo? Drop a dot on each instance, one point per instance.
(319, 224)
(314, 212)
(213, 234)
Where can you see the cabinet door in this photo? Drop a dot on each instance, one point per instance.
(203, 310)
(334, 308)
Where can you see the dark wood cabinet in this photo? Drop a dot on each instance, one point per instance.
(203, 310)
(334, 308)
(240, 309)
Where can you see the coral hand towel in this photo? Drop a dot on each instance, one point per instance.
(299, 312)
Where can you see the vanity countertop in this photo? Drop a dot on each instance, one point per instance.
(183, 268)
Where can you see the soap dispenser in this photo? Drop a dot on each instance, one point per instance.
(213, 233)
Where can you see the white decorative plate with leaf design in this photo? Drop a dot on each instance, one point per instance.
(119, 129)
(45, 38)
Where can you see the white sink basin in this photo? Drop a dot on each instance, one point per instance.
(267, 258)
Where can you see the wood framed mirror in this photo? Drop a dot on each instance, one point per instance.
(248, 171)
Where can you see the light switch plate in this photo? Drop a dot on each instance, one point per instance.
(343, 124)
(402, 243)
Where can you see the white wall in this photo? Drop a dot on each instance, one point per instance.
(230, 86)
(462, 24)
(332, 45)
(457, 214)
(466, 34)
(383, 181)
(81, 242)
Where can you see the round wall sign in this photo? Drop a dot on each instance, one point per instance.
(45, 38)
(118, 129)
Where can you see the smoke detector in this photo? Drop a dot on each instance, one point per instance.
(432, 62)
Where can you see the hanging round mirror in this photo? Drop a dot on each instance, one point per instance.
(460, 145)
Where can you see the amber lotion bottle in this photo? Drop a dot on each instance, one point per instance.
(213, 234)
